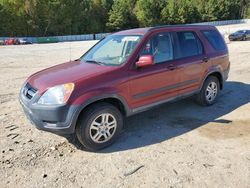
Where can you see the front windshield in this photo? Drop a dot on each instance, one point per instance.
(113, 50)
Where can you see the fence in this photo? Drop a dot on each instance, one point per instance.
(102, 35)
(66, 38)
(224, 22)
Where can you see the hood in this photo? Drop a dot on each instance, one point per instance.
(65, 73)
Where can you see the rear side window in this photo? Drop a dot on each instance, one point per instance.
(189, 44)
(215, 39)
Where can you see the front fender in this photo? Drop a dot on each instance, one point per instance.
(88, 98)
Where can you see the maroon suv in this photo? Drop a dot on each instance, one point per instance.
(125, 73)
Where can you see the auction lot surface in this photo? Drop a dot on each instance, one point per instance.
(175, 145)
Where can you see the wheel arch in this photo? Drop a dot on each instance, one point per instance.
(116, 100)
(218, 75)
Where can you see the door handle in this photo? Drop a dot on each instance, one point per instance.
(205, 59)
(171, 67)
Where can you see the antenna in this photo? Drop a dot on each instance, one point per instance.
(70, 50)
(70, 41)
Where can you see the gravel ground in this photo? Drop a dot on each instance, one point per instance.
(176, 145)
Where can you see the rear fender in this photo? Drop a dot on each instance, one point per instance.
(214, 69)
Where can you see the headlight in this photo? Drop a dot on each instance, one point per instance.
(57, 95)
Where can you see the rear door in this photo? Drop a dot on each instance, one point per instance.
(190, 59)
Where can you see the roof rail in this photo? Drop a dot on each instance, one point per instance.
(171, 26)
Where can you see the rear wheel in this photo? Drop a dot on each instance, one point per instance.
(209, 92)
(99, 126)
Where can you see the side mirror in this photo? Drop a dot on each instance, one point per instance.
(145, 60)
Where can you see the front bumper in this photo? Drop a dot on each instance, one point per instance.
(56, 119)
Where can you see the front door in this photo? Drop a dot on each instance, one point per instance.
(152, 84)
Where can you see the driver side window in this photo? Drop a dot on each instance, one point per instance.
(160, 46)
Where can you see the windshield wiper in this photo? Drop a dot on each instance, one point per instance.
(95, 62)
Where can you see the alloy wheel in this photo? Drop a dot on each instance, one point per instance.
(103, 128)
(211, 91)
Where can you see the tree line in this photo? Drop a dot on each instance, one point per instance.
(70, 17)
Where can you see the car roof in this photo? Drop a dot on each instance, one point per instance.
(142, 31)
(244, 30)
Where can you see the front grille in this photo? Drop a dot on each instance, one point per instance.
(29, 91)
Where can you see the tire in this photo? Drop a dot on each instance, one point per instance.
(203, 97)
(94, 121)
(244, 38)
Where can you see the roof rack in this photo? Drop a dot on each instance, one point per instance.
(171, 26)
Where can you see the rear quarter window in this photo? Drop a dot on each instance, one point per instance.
(215, 39)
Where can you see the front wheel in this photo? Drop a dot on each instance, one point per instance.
(209, 92)
(99, 126)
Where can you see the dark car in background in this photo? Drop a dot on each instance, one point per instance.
(240, 35)
(24, 41)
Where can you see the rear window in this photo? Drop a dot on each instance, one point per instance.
(215, 39)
